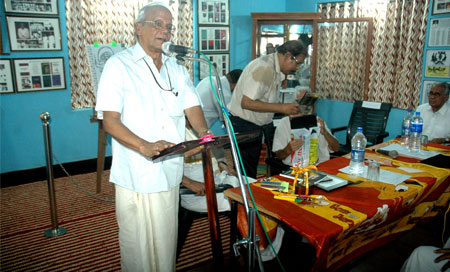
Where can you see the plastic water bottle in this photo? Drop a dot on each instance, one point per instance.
(406, 128)
(359, 142)
(415, 141)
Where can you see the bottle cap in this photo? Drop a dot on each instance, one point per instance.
(417, 113)
(359, 129)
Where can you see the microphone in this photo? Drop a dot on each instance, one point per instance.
(168, 48)
(390, 153)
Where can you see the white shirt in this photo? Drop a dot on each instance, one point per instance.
(435, 124)
(260, 80)
(282, 137)
(127, 86)
(210, 106)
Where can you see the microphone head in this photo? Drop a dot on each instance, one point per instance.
(166, 48)
(393, 154)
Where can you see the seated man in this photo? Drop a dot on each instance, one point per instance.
(428, 258)
(283, 145)
(193, 180)
(436, 114)
(210, 106)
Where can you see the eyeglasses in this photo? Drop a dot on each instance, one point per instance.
(160, 26)
(434, 94)
(296, 61)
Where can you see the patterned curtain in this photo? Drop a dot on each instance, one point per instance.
(397, 48)
(88, 21)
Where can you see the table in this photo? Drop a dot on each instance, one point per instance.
(363, 215)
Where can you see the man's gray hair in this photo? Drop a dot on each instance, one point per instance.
(444, 85)
(142, 14)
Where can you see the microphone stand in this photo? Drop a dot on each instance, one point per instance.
(252, 240)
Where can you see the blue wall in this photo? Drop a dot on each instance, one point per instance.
(74, 137)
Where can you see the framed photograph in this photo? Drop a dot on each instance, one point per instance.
(214, 39)
(427, 84)
(439, 32)
(6, 77)
(213, 12)
(441, 7)
(33, 33)
(47, 7)
(220, 61)
(438, 63)
(39, 74)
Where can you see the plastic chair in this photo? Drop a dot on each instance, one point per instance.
(372, 117)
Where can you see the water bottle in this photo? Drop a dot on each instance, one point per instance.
(406, 128)
(415, 141)
(359, 142)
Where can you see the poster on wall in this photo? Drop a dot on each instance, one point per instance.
(48, 7)
(438, 63)
(219, 61)
(6, 78)
(97, 56)
(33, 33)
(214, 38)
(427, 84)
(39, 74)
(439, 32)
(441, 6)
(213, 12)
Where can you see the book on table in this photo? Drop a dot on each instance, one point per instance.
(322, 180)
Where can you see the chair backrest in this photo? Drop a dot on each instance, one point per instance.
(372, 117)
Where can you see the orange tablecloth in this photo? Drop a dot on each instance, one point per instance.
(363, 215)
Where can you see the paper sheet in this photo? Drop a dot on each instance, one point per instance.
(385, 175)
(404, 150)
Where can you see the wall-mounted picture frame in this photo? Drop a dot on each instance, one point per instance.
(220, 61)
(427, 84)
(39, 74)
(213, 12)
(6, 77)
(33, 33)
(439, 32)
(45, 7)
(214, 39)
(441, 7)
(438, 63)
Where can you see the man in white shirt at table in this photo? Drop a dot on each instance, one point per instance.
(436, 114)
(210, 106)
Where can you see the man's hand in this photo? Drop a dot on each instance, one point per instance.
(197, 187)
(445, 256)
(322, 125)
(294, 145)
(151, 149)
(224, 167)
(290, 108)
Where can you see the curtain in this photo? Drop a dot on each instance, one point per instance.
(104, 22)
(397, 48)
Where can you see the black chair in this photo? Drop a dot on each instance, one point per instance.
(186, 217)
(275, 165)
(372, 120)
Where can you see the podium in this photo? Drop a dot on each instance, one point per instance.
(211, 201)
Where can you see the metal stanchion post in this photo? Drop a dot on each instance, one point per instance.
(55, 231)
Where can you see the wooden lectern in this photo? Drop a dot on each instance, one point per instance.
(211, 201)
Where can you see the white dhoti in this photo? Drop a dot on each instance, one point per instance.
(148, 226)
